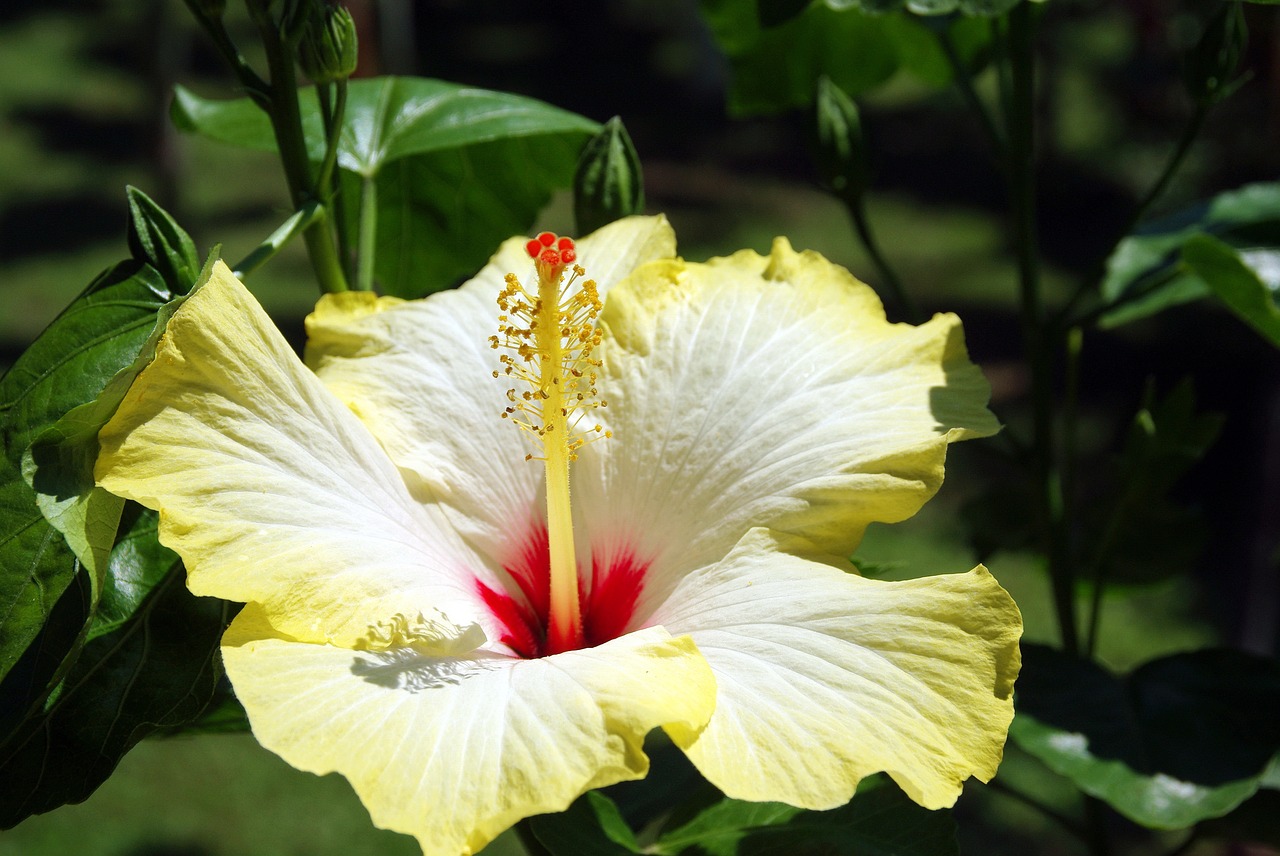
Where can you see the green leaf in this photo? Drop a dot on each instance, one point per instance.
(159, 669)
(456, 169)
(38, 566)
(157, 239)
(880, 819)
(774, 12)
(853, 44)
(592, 826)
(1180, 739)
(720, 829)
(66, 367)
(1224, 270)
(1145, 273)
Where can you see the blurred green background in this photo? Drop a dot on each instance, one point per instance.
(84, 88)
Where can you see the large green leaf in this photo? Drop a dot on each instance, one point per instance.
(777, 68)
(1146, 274)
(99, 334)
(1181, 739)
(880, 819)
(456, 169)
(157, 669)
(37, 568)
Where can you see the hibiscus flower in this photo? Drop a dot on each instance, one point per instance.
(469, 646)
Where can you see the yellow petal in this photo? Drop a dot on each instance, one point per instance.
(825, 677)
(768, 391)
(268, 487)
(420, 376)
(454, 750)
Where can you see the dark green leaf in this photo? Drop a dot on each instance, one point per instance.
(1225, 271)
(430, 236)
(592, 826)
(421, 141)
(157, 239)
(139, 563)
(102, 331)
(880, 819)
(777, 69)
(1257, 819)
(157, 670)
(1180, 739)
(775, 12)
(38, 567)
(720, 829)
(1145, 274)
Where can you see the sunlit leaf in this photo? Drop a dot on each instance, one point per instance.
(456, 169)
(1181, 739)
(1146, 274)
(1233, 281)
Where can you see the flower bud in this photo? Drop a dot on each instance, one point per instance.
(608, 184)
(327, 51)
(1209, 68)
(838, 146)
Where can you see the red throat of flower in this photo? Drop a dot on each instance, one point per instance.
(608, 597)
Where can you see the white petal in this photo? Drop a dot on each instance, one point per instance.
(268, 487)
(824, 677)
(757, 391)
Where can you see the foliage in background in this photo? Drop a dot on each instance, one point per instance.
(100, 644)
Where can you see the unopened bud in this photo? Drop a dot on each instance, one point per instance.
(838, 146)
(609, 184)
(1209, 68)
(327, 51)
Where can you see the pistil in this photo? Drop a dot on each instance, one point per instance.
(550, 336)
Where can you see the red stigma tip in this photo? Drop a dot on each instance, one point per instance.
(569, 255)
(533, 248)
(564, 244)
(550, 257)
(546, 238)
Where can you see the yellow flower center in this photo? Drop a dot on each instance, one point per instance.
(549, 336)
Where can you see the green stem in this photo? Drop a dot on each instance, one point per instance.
(893, 285)
(368, 233)
(1189, 133)
(257, 88)
(1039, 344)
(288, 230)
(334, 114)
(286, 122)
(964, 82)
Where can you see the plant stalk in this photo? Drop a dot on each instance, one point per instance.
(1039, 343)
